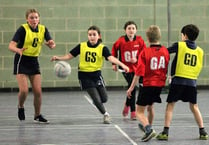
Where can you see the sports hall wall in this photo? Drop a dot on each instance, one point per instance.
(68, 21)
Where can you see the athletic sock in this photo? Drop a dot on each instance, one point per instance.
(201, 130)
(166, 130)
(106, 113)
(148, 128)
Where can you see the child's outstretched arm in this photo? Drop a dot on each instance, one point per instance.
(133, 84)
(116, 61)
(68, 56)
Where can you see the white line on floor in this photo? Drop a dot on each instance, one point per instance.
(124, 134)
(116, 126)
(90, 101)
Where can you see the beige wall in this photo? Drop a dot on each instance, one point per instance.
(68, 21)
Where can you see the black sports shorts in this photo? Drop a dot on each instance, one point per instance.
(149, 95)
(182, 92)
(26, 65)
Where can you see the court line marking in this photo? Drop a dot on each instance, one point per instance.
(115, 125)
(90, 101)
(125, 134)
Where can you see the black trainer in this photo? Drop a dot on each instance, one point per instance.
(203, 135)
(21, 114)
(148, 136)
(40, 119)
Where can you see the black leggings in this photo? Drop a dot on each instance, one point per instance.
(130, 101)
(99, 96)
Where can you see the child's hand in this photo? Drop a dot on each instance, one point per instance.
(20, 51)
(51, 44)
(54, 58)
(126, 68)
(114, 67)
(128, 92)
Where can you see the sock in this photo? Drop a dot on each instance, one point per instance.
(148, 128)
(106, 113)
(202, 130)
(166, 130)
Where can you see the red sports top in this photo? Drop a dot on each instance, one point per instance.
(153, 65)
(125, 50)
